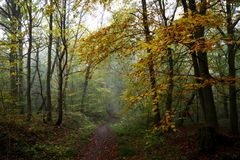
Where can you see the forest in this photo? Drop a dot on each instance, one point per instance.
(119, 79)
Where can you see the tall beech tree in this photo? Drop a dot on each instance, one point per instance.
(166, 21)
(11, 13)
(152, 75)
(29, 4)
(201, 70)
(231, 50)
(62, 56)
(13, 51)
(49, 66)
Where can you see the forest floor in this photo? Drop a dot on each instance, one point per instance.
(35, 140)
(103, 146)
(123, 139)
(137, 142)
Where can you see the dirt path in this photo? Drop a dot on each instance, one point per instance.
(101, 147)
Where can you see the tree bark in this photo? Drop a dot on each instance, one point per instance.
(201, 70)
(43, 105)
(60, 94)
(13, 52)
(197, 76)
(85, 85)
(232, 70)
(49, 66)
(20, 74)
(62, 61)
(30, 25)
(225, 107)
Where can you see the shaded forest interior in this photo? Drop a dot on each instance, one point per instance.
(128, 79)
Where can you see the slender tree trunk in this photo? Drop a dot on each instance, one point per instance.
(50, 38)
(20, 75)
(170, 81)
(151, 64)
(225, 107)
(60, 93)
(232, 71)
(70, 62)
(13, 73)
(197, 116)
(166, 21)
(65, 93)
(43, 105)
(29, 101)
(61, 68)
(68, 67)
(13, 52)
(62, 64)
(85, 86)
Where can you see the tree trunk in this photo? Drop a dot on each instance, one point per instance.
(207, 139)
(197, 76)
(225, 107)
(211, 115)
(29, 101)
(43, 105)
(49, 66)
(200, 63)
(70, 64)
(60, 94)
(68, 68)
(151, 64)
(62, 62)
(201, 69)
(232, 71)
(13, 53)
(85, 85)
(20, 75)
(170, 81)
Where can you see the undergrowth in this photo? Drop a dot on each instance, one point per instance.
(36, 140)
(135, 138)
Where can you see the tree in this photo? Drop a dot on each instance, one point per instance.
(29, 53)
(201, 69)
(166, 22)
(85, 86)
(11, 14)
(231, 50)
(49, 66)
(148, 38)
(62, 56)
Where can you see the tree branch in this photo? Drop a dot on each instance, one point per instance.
(5, 26)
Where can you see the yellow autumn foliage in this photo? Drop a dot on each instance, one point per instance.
(167, 123)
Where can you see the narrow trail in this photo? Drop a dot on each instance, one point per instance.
(102, 146)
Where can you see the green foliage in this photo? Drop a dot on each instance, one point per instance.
(46, 151)
(153, 140)
(135, 138)
(126, 151)
(135, 128)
